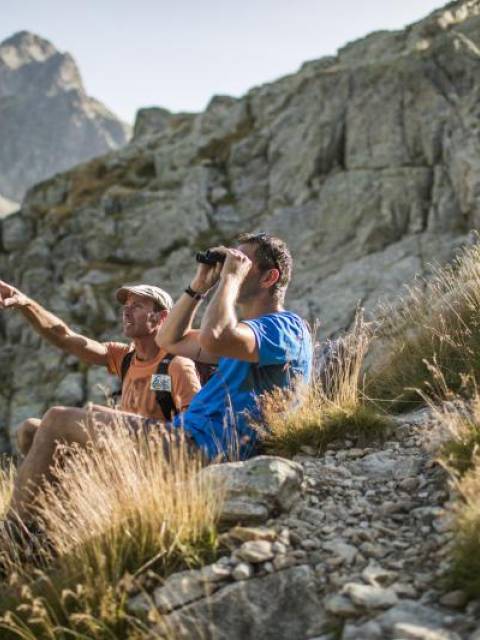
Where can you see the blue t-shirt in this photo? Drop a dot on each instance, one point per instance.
(217, 418)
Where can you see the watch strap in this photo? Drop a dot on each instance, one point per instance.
(194, 294)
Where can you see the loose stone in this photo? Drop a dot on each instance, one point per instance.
(242, 571)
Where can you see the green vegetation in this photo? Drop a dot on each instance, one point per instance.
(465, 572)
(333, 408)
(117, 513)
(460, 422)
(437, 323)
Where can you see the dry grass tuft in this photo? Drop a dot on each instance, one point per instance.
(459, 421)
(115, 512)
(465, 572)
(457, 440)
(332, 408)
(438, 321)
(7, 477)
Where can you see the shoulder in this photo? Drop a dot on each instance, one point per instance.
(116, 351)
(119, 348)
(285, 321)
(181, 363)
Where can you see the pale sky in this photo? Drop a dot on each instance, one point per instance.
(178, 54)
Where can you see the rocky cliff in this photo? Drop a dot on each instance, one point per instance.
(48, 123)
(366, 162)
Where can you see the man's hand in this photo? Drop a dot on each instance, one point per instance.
(10, 297)
(207, 275)
(237, 264)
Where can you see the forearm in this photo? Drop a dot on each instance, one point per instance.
(178, 322)
(46, 324)
(220, 319)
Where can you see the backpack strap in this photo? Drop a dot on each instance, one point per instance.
(165, 398)
(124, 367)
(126, 362)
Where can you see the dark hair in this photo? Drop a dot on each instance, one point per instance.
(157, 307)
(271, 253)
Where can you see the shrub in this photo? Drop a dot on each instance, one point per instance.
(333, 407)
(460, 422)
(437, 321)
(116, 510)
(465, 571)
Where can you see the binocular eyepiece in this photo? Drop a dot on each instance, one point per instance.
(210, 257)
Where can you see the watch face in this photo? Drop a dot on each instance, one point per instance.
(160, 382)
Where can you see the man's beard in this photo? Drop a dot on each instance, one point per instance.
(247, 293)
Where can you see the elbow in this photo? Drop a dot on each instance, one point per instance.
(211, 341)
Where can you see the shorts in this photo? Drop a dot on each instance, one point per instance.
(171, 436)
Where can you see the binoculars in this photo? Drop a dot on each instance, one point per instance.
(210, 257)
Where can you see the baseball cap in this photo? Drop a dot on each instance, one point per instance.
(156, 294)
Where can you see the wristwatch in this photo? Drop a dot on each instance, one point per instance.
(194, 294)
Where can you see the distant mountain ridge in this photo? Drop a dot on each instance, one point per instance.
(48, 123)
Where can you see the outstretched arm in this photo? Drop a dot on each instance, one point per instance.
(51, 328)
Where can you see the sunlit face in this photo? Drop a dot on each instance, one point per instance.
(251, 285)
(139, 319)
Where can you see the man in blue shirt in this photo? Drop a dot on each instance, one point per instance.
(261, 348)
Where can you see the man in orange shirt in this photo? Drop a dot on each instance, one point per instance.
(153, 383)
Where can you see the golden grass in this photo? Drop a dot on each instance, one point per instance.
(465, 572)
(437, 321)
(456, 440)
(459, 432)
(7, 477)
(331, 408)
(114, 513)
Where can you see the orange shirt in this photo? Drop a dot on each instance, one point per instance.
(137, 396)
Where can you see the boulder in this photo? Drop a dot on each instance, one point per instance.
(281, 605)
(257, 488)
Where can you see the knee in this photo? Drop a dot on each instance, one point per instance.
(26, 433)
(53, 422)
(94, 408)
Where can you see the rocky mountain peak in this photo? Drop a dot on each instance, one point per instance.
(49, 123)
(24, 48)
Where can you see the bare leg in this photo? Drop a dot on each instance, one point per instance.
(60, 425)
(26, 433)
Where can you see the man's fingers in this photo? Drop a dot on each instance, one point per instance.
(9, 302)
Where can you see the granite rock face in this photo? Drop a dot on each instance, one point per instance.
(257, 488)
(278, 606)
(367, 162)
(48, 123)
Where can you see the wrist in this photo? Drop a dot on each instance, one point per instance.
(195, 295)
(199, 287)
(23, 301)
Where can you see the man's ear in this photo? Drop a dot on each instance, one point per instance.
(270, 277)
(162, 316)
(158, 317)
